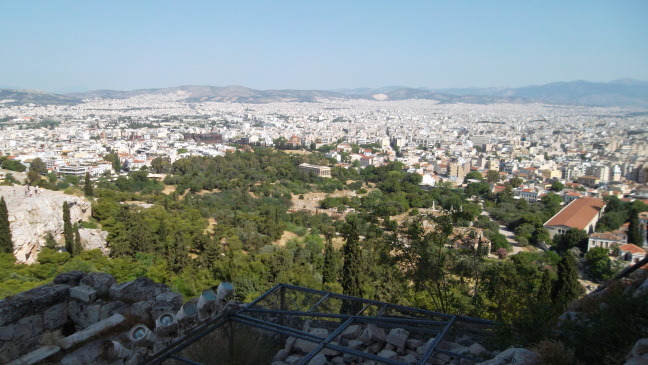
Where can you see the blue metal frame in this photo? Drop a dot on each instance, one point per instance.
(246, 316)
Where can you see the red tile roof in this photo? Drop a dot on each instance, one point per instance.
(578, 214)
(632, 249)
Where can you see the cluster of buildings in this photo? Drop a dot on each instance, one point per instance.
(591, 151)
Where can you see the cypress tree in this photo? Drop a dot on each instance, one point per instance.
(329, 269)
(351, 269)
(6, 244)
(634, 234)
(87, 186)
(76, 247)
(67, 229)
(566, 288)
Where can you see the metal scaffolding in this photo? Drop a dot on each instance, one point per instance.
(288, 311)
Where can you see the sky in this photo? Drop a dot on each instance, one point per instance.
(64, 46)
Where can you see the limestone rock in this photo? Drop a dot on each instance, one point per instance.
(31, 218)
(92, 239)
(643, 288)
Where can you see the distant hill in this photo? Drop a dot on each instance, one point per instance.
(21, 97)
(623, 92)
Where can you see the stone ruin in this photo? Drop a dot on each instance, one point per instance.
(88, 318)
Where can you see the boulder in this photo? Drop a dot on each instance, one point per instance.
(99, 281)
(397, 337)
(352, 332)
(375, 333)
(387, 354)
(318, 359)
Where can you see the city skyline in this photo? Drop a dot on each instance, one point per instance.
(64, 46)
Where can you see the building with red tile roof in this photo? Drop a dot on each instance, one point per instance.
(582, 213)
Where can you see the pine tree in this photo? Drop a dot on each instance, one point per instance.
(330, 267)
(566, 288)
(87, 186)
(76, 246)
(67, 229)
(351, 270)
(6, 244)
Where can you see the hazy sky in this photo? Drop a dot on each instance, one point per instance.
(73, 45)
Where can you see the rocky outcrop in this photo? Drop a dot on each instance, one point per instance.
(32, 216)
(92, 239)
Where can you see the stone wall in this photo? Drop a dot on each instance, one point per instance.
(55, 314)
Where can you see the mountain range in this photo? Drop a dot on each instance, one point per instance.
(624, 92)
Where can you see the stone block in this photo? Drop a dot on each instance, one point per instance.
(32, 301)
(7, 332)
(293, 359)
(71, 278)
(374, 348)
(84, 315)
(86, 354)
(138, 290)
(413, 343)
(355, 344)
(55, 316)
(303, 346)
(476, 349)
(11, 350)
(376, 333)
(338, 360)
(330, 352)
(28, 327)
(443, 357)
(281, 355)
(99, 281)
(352, 332)
(318, 359)
(110, 308)
(166, 302)
(142, 311)
(36, 356)
(387, 354)
(397, 337)
(290, 342)
(84, 294)
(319, 332)
(409, 359)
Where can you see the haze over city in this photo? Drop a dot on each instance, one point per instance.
(66, 46)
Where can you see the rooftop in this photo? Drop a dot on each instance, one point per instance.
(578, 214)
